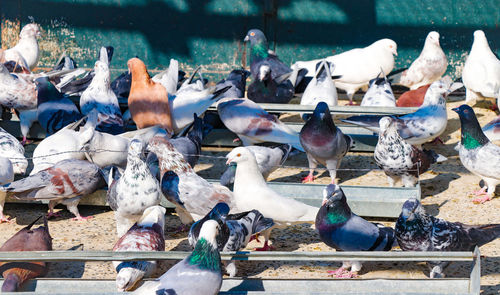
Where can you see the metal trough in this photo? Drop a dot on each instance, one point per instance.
(369, 201)
(469, 285)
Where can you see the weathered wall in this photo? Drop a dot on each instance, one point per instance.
(211, 32)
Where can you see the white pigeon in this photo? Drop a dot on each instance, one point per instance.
(26, 52)
(251, 192)
(169, 78)
(379, 93)
(430, 65)
(101, 97)
(6, 176)
(481, 73)
(12, 149)
(252, 124)
(146, 235)
(64, 144)
(358, 66)
(423, 125)
(321, 87)
(135, 190)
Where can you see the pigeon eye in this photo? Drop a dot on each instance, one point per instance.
(238, 155)
(252, 34)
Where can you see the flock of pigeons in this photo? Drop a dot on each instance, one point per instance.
(87, 148)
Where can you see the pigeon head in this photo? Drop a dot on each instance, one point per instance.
(124, 279)
(170, 186)
(152, 215)
(322, 113)
(46, 91)
(135, 148)
(101, 72)
(332, 193)
(471, 134)
(209, 231)
(238, 75)
(412, 209)
(323, 69)
(479, 36)
(219, 212)
(256, 36)
(387, 45)
(264, 72)
(437, 92)
(385, 123)
(432, 38)
(137, 68)
(227, 178)
(106, 53)
(238, 155)
(30, 31)
(334, 209)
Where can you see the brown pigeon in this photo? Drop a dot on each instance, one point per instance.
(148, 100)
(27, 239)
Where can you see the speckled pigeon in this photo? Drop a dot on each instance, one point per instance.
(198, 274)
(417, 231)
(379, 93)
(343, 230)
(323, 142)
(478, 154)
(399, 159)
(235, 229)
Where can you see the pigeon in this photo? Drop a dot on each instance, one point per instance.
(190, 146)
(15, 274)
(148, 101)
(252, 192)
(492, 129)
(186, 103)
(235, 232)
(379, 93)
(20, 94)
(26, 52)
(237, 80)
(198, 274)
(66, 143)
(266, 90)
(430, 65)
(358, 66)
(426, 123)
(192, 195)
(12, 149)
(66, 182)
(478, 154)
(74, 86)
(343, 230)
(145, 235)
(252, 124)
(268, 160)
(54, 111)
(481, 73)
(417, 231)
(399, 159)
(121, 85)
(169, 78)
(260, 54)
(413, 98)
(134, 191)
(323, 142)
(99, 96)
(6, 176)
(321, 87)
(191, 84)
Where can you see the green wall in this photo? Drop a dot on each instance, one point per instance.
(211, 32)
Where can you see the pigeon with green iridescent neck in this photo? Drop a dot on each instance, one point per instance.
(478, 154)
(198, 274)
(417, 231)
(343, 230)
(260, 54)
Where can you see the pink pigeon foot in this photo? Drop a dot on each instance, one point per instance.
(482, 199)
(51, 215)
(23, 142)
(352, 103)
(480, 192)
(5, 219)
(236, 140)
(266, 247)
(437, 141)
(348, 275)
(254, 237)
(308, 178)
(340, 271)
(494, 107)
(81, 218)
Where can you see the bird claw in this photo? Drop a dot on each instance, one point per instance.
(181, 229)
(51, 215)
(482, 200)
(236, 140)
(437, 141)
(480, 192)
(342, 273)
(81, 218)
(266, 247)
(308, 178)
(5, 219)
(254, 237)
(352, 103)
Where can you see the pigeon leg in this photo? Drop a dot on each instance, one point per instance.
(309, 178)
(73, 208)
(392, 180)
(337, 273)
(51, 213)
(266, 247)
(482, 199)
(23, 142)
(236, 140)
(480, 192)
(3, 218)
(255, 237)
(312, 166)
(437, 141)
(409, 180)
(231, 268)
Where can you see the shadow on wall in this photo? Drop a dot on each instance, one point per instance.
(211, 31)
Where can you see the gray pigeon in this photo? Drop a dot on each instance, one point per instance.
(343, 230)
(399, 159)
(478, 154)
(66, 182)
(379, 93)
(235, 232)
(237, 80)
(323, 142)
(426, 123)
(321, 87)
(136, 190)
(198, 274)
(268, 160)
(190, 146)
(417, 231)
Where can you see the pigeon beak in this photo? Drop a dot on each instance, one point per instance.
(456, 110)
(229, 161)
(246, 39)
